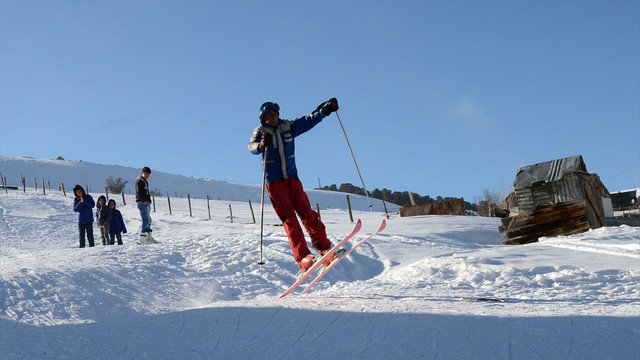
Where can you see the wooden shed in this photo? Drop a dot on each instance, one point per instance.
(447, 207)
(554, 198)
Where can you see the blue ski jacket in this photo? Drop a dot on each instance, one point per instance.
(117, 223)
(84, 209)
(281, 158)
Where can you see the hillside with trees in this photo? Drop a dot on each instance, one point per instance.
(401, 198)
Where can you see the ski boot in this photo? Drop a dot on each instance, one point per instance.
(305, 264)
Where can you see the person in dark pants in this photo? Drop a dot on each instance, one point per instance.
(116, 226)
(274, 140)
(143, 199)
(83, 204)
(103, 215)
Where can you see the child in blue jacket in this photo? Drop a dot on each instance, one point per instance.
(83, 205)
(116, 225)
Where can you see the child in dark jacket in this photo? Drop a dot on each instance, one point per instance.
(103, 214)
(82, 204)
(116, 225)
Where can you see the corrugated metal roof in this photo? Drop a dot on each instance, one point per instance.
(548, 171)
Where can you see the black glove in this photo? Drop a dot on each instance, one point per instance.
(266, 141)
(328, 107)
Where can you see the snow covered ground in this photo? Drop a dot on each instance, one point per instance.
(201, 294)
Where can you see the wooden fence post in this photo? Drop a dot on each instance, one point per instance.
(349, 206)
(169, 202)
(386, 213)
(64, 192)
(35, 184)
(124, 202)
(318, 211)
(24, 185)
(208, 207)
(231, 213)
(252, 214)
(44, 192)
(411, 199)
(106, 193)
(189, 201)
(153, 199)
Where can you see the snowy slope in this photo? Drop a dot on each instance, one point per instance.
(69, 173)
(201, 294)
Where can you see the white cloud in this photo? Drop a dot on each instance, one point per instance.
(465, 111)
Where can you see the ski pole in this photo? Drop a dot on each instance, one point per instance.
(354, 160)
(264, 180)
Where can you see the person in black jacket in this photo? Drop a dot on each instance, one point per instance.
(143, 199)
(103, 214)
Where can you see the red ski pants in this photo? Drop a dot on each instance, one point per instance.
(288, 199)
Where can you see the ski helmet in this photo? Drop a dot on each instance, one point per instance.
(268, 108)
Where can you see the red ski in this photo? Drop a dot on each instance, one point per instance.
(319, 261)
(333, 263)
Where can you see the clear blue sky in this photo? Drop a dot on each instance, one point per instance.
(442, 98)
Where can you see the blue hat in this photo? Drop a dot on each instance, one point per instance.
(268, 108)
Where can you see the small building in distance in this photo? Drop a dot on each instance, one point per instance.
(626, 200)
(446, 207)
(625, 206)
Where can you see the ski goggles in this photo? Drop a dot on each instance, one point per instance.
(268, 108)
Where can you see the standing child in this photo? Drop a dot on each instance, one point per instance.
(82, 204)
(116, 225)
(103, 214)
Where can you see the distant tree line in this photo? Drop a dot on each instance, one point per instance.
(401, 198)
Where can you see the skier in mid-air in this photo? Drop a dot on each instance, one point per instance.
(274, 138)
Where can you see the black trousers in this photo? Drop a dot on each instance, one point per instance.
(88, 229)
